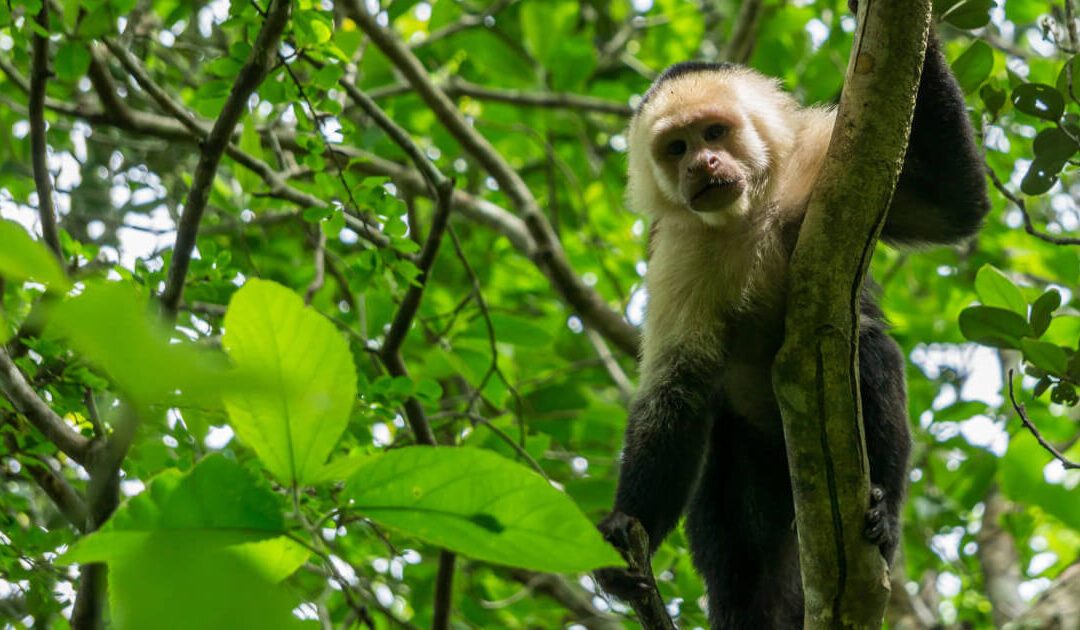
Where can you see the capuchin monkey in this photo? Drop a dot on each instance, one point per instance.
(724, 161)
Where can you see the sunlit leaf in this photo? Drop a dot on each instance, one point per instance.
(995, 289)
(23, 258)
(479, 504)
(294, 425)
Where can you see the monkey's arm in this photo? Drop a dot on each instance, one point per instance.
(666, 439)
(941, 195)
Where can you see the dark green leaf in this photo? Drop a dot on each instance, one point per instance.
(1042, 311)
(970, 14)
(1039, 100)
(1053, 145)
(993, 326)
(1041, 177)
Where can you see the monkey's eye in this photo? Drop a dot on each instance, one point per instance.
(712, 132)
(675, 148)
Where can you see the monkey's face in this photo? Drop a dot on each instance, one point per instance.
(700, 146)
(695, 159)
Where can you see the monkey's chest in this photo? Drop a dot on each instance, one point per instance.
(750, 347)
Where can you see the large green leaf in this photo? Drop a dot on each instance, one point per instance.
(480, 504)
(23, 258)
(217, 500)
(174, 581)
(294, 425)
(110, 326)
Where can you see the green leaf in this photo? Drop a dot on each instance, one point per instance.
(294, 425)
(1041, 176)
(1053, 145)
(479, 504)
(1039, 100)
(973, 66)
(1042, 311)
(71, 62)
(969, 14)
(992, 326)
(995, 289)
(110, 326)
(1045, 355)
(250, 143)
(175, 582)
(23, 258)
(218, 500)
(328, 76)
(993, 98)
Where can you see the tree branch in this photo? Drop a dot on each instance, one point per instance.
(549, 255)
(1029, 226)
(39, 76)
(740, 46)
(557, 588)
(999, 560)
(26, 401)
(251, 75)
(815, 374)
(1050, 448)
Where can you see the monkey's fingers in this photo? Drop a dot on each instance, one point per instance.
(878, 530)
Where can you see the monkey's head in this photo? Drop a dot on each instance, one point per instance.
(706, 140)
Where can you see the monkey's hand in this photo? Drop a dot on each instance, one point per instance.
(879, 530)
(625, 583)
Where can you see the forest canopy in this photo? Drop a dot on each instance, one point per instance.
(258, 258)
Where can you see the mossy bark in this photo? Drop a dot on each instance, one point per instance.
(815, 375)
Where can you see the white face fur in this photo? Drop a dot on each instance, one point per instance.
(706, 145)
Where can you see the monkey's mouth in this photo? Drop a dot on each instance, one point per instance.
(720, 186)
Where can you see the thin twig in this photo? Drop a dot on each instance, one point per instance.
(465, 22)
(1050, 448)
(39, 76)
(251, 75)
(502, 435)
(320, 267)
(1029, 227)
(551, 100)
(614, 370)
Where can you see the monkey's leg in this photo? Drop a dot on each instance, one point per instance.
(888, 437)
(741, 535)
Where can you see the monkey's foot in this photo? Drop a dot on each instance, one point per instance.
(622, 583)
(615, 529)
(626, 584)
(878, 529)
